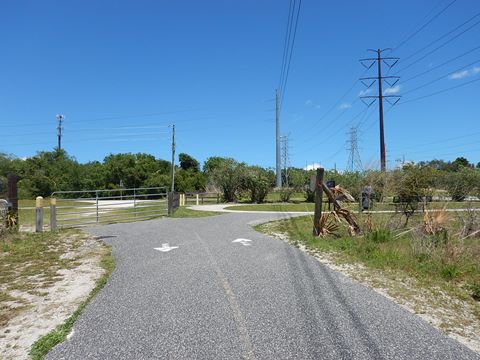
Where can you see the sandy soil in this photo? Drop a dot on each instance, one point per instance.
(50, 308)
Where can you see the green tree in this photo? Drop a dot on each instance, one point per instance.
(227, 174)
(460, 162)
(462, 183)
(189, 181)
(48, 171)
(255, 180)
(188, 163)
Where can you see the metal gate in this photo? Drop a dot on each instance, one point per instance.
(88, 207)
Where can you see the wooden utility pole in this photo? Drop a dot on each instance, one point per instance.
(172, 175)
(318, 201)
(278, 168)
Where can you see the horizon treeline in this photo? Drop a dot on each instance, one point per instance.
(50, 171)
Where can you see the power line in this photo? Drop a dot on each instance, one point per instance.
(330, 136)
(444, 154)
(441, 37)
(440, 65)
(437, 48)
(72, 120)
(442, 147)
(446, 140)
(440, 78)
(283, 84)
(440, 92)
(424, 25)
(339, 101)
(285, 43)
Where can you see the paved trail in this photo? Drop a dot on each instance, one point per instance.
(212, 298)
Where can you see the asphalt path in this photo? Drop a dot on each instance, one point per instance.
(210, 297)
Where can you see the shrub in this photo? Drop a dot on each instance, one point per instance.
(255, 181)
(309, 195)
(286, 194)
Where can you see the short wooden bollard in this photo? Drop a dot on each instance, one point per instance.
(39, 214)
(53, 214)
(198, 202)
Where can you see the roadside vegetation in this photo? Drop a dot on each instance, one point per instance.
(43, 279)
(431, 266)
(437, 248)
(47, 342)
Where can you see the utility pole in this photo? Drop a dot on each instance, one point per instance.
(278, 165)
(391, 99)
(60, 119)
(172, 175)
(354, 162)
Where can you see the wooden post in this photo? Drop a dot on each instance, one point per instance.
(39, 214)
(198, 202)
(169, 203)
(12, 195)
(96, 203)
(318, 201)
(344, 212)
(53, 214)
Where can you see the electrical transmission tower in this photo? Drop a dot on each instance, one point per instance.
(60, 119)
(285, 158)
(389, 97)
(354, 162)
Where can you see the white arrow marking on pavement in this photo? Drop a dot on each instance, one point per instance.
(166, 247)
(244, 242)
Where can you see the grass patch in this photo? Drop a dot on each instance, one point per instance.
(30, 261)
(184, 212)
(46, 343)
(287, 207)
(388, 206)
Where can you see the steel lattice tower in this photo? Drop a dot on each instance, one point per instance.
(354, 162)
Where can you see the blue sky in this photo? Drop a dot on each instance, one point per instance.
(121, 71)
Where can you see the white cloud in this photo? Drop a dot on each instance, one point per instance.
(392, 90)
(345, 106)
(365, 92)
(313, 166)
(465, 73)
(308, 102)
(460, 75)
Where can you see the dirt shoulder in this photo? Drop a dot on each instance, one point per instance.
(455, 317)
(44, 278)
